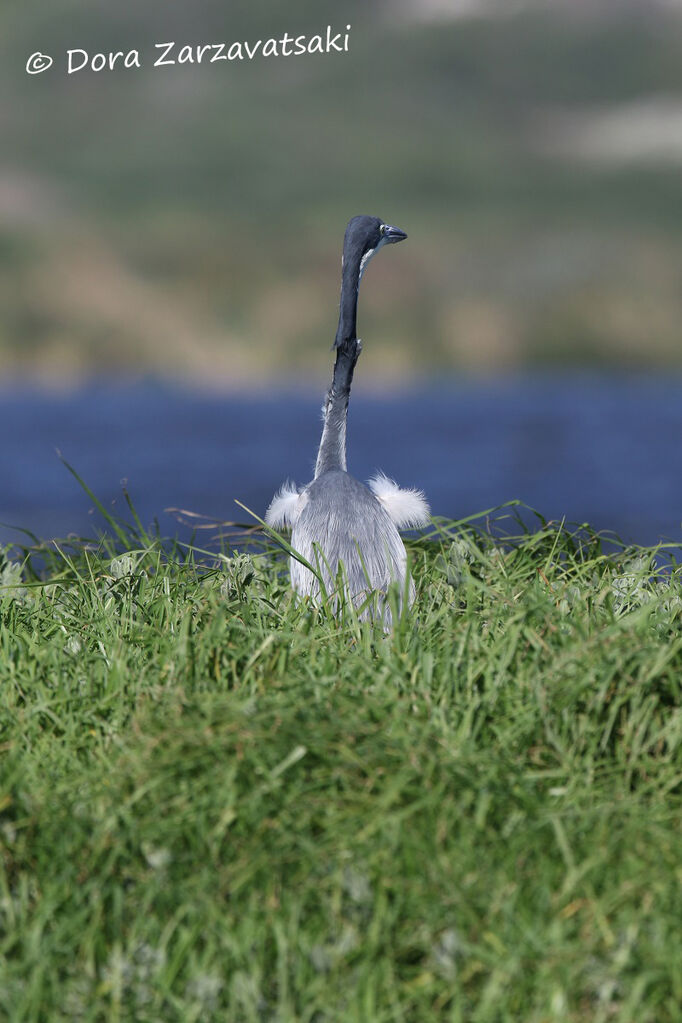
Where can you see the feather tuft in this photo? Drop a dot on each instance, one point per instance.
(407, 508)
(286, 506)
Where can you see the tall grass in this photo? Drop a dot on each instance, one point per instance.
(218, 804)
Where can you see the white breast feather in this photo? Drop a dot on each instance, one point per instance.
(407, 508)
(286, 506)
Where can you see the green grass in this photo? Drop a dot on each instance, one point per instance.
(218, 805)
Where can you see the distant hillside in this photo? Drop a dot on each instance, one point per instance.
(434, 10)
(188, 220)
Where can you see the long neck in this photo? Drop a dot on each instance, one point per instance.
(332, 450)
(348, 306)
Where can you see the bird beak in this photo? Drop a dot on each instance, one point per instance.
(393, 234)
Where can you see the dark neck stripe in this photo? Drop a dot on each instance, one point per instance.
(348, 306)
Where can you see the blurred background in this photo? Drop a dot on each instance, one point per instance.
(170, 248)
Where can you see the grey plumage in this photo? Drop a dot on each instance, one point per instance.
(343, 523)
(337, 522)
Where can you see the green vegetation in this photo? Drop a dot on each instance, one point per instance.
(218, 805)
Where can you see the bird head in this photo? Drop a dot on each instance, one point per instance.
(363, 239)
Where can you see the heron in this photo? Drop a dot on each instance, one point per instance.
(345, 529)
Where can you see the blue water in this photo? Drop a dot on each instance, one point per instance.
(601, 450)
